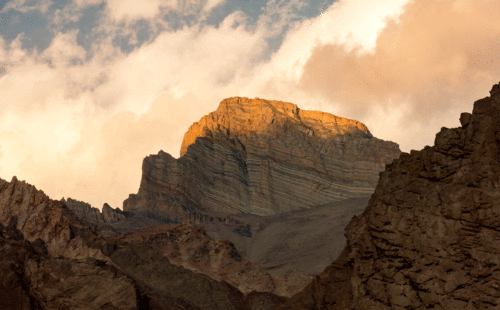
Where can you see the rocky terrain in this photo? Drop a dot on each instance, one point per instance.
(189, 246)
(262, 157)
(429, 238)
(292, 247)
(51, 259)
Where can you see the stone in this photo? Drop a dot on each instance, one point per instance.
(465, 119)
(94, 215)
(50, 258)
(111, 215)
(263, 157)
(189, 246)
(428, 238)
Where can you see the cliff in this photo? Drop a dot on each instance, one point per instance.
(428, 238)
(263, 157)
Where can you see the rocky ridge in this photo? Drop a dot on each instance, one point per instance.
(91, 214)
(51, 259)
(429, 236)
(263, 157)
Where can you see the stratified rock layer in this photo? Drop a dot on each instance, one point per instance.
(429, 238)
(263, 157)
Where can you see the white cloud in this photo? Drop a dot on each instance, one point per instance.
(81, 129)
(64, 50)
(346, 21)
(211, 4)
(130, 10)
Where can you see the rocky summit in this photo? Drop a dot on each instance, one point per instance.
(429, 237)
(263, 157)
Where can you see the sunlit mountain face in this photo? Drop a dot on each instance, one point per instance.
(90, 88)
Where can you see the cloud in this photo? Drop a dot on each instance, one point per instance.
(24, 6)
(79, 127)
(86, 3)
(428, 66)
(279, 14)
(77, 122)
(339, 24)
(211, 4)
(130, 10)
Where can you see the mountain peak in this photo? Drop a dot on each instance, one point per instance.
(241, 117)
(264, 157)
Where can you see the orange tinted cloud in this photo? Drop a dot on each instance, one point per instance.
(432, 64)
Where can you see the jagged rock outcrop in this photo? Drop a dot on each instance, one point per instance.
(429, 236)
(94, 215)
(39, 217)
(263, 157)
(100, 222)
(51, 259)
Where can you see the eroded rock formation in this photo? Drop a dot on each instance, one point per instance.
(94, 215)
(263, 157)
(429, 236)
(51, 259)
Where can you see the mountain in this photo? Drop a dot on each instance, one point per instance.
(262, 157)
(428, 238)
(52, 259)
(263, 174)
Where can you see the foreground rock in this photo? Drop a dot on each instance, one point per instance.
(51, 259)
(262, 157)
(429, 236)
(189, 246)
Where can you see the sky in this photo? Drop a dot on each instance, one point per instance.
(88, 88)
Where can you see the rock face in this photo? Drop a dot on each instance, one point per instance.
(429, 236)
(263, 157)
(93, 215)
(51, 259)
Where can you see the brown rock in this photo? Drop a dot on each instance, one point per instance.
(51, 259)
(39, 217)
(94, 215)
(263, 157)
(189, 246)
(111, 215)
(429, 236)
